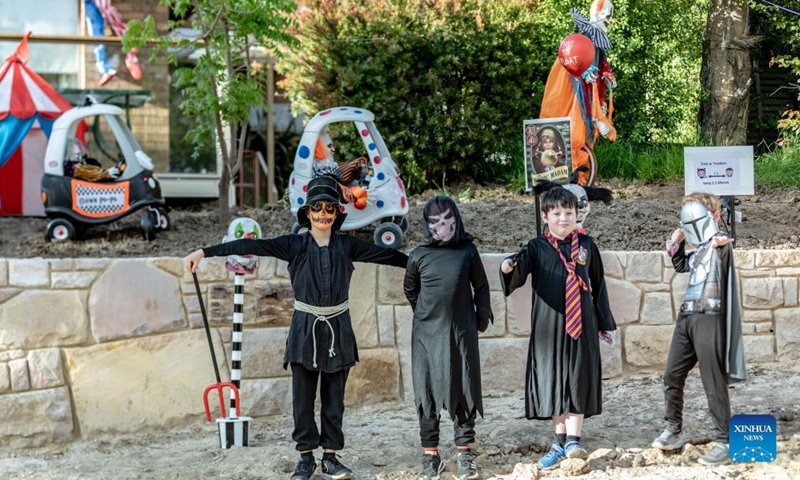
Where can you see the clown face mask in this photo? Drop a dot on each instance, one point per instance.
(601, 14)
(322, 215)
(442, 226)
(583, 203)
(242, 229)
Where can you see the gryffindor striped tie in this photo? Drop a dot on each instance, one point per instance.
(572, 310)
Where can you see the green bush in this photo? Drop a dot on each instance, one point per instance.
(451, 81)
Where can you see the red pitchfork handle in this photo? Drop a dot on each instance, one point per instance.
(219, 388)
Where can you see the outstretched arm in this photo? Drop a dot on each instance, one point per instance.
(515, 269)
(281, 247)
(361, 251)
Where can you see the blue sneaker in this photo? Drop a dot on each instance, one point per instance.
(575, 450)
(551, 459)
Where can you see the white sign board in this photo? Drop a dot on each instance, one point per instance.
(722, 171)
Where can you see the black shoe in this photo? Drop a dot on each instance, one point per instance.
(304, 470)
(467, 470)
(432, 467)
(332, 469)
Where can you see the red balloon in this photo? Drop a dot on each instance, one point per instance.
(576, 53)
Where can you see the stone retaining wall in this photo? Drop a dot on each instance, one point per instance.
(92, 347)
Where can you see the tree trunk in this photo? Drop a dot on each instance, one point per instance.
(224, 203)
(726, 74)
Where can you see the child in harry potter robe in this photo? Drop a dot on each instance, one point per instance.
(321, 346)
(447, 287)
(570, 313)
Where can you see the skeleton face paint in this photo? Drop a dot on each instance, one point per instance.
(323, 215)
(442, 226)
(583, 203)
(242, 229)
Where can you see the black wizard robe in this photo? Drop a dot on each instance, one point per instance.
(320, 276)
(563, 375)
(446, 285)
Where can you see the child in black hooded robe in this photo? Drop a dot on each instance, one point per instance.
(441, 276)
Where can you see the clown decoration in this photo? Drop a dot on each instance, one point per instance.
(240, 229)
(347, 174)
(234, 429)
(577, 88)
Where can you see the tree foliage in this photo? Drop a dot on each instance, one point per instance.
(451, 81)
(220, 88)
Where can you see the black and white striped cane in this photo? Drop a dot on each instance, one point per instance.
(236, 348)
(234, 430)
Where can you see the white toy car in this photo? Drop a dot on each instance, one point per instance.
(386, 203)
(75, 204)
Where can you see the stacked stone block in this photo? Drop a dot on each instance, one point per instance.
(90, 347)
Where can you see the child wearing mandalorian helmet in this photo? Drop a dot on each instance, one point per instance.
(708, 330)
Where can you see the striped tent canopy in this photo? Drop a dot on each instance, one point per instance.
(28, 108)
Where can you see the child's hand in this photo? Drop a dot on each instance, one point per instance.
(607, 337)
(678, 236)
(720, 241)
(508, 265)
(192, 261)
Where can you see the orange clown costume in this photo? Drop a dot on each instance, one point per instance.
(582, 98)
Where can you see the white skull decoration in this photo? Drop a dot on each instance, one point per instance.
(601, 14)
(583, 202)
(442, 226)
(242, 228)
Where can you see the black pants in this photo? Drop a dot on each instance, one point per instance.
(464, 429)
(304, 394)
(698, 338)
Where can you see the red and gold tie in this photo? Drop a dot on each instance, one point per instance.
(572, 310)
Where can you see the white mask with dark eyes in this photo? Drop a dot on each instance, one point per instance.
(442, 226)
(583, 203)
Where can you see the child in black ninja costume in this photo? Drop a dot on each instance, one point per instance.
(441, 276)
(321, 346)
(708, 330)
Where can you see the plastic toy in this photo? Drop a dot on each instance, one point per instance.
(377, 193)
(75, 204)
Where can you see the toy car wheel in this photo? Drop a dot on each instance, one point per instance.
(60, 230)
(297, 229)
(163, 220)
(147, 225)
(388, 235)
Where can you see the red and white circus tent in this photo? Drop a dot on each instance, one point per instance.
(28, 108)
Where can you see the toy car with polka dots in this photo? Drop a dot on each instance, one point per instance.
(78, 192)
(372, 183)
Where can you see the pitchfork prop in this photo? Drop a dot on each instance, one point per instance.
(220, 385)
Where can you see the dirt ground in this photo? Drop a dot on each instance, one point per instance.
(640, 218)
(382, 441)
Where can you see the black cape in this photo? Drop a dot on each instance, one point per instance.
(320, 276)
(563, 375)
(439, 284)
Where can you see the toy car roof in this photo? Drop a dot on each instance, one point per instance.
(338, 114)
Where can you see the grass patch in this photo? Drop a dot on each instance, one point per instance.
(779, 167)
(646, 162)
